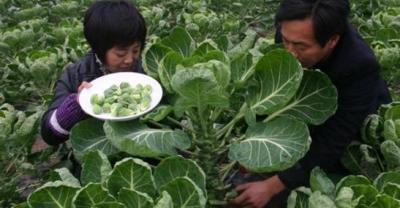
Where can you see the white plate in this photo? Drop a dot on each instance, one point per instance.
(100, 84)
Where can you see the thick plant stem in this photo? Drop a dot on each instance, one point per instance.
(208, 159)
(228, 127)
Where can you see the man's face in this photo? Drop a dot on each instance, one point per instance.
(298, 38)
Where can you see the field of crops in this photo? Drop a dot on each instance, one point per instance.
(39, 38)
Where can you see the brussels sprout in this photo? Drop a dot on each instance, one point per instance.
(97, 109)
(192, 27)
(147, 88)
(115, 107)
(97, 99)
(127, 90)
(122, 100)
(200, 19)
(125, 112)
(132, 107)
(109, 92)
(124, 85)
(107, 108)
(109, 100)
(139, 87)
(136, 97)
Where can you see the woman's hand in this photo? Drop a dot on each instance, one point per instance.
(258, 194)
(84, 84)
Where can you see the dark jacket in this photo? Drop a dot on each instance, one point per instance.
(354, 70)
(86, 69)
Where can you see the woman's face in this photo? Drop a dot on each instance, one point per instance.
(119, 59)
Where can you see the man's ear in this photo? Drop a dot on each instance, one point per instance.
(332, 42)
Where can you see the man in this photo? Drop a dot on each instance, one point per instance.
(318, 34)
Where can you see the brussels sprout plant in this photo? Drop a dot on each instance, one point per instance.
(226, 105)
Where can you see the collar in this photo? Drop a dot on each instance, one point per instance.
(102, 67)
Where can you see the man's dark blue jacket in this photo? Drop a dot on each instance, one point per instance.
(354, 70)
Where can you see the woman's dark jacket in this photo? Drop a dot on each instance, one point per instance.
(86, 69)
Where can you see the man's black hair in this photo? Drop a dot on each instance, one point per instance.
(329, 17)
(113, 23)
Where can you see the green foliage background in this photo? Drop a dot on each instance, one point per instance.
(39, 38)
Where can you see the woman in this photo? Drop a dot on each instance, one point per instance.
(116, 33)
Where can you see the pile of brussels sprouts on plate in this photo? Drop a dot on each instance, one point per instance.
(122, 100)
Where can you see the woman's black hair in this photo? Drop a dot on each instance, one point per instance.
(329, 17)
(113, 23)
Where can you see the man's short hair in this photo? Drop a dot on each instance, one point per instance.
(329, 17)
(113, 23)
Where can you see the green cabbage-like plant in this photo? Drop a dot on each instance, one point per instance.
(224, 105)
(130, 183)
(353, 191)
(380, 147)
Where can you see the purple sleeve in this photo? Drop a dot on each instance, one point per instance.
(66, 116)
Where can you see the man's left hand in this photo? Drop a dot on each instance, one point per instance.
(258, 194)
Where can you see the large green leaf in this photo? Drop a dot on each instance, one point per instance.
(385, 201)
(177, 166)
(361, 159)
(298, 198)
(352, 180)
(111, 205)
(88, 135)
(272, 146)
(383, 109)
(392, 189)
(371, 130)
(165, 201)
(198, 88)
(221, 71)
(241, 68)
(153, 57)
(132, 174)
(167, 69)
(137, 139)
(95, 167)
(180, 41)
(319, 181)
(315, 100)
(185, 193)
(276, 79)
(53, 194)
(387, 177)
(159, 113)
(318, 200)
(389, 130)
(393, 112)
(204, 47)
(224, 43)
(65, 176)
(216, 55)
(133, 198)
(93, 195)
(344, 198)
(367, 193)
(245, 45)
(391, 153)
